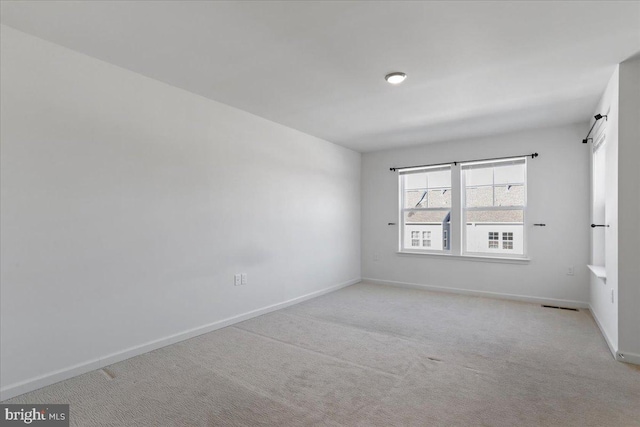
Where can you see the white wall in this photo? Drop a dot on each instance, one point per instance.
(558, 195)
(629, 210)
(128, 205)
(602, 307)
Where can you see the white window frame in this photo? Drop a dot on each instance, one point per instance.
(420, 249)
(458, 229)
(465, 209)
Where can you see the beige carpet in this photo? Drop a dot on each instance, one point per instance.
(370, 355)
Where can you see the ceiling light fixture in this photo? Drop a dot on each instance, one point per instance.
(395, 78)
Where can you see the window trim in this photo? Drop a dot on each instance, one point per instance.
(440, 255)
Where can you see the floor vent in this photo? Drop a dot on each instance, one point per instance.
(560, 308)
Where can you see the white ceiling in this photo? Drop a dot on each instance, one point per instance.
(474, 68)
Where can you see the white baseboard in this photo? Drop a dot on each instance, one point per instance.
(619, 355)
(13, 390)
(487, 294)
(612, 347)
(623, 356)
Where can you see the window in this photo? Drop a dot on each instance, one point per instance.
(415, 238)
(494, 198)
(507, 240)
(493, 239)
(599, 195)
(426, 239)
(490, 201)
(425, 208)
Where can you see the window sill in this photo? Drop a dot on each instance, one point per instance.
(599, 271)
(476, 258)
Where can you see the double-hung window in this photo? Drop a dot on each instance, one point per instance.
(425, 209)
(489, 201)
(494, 203)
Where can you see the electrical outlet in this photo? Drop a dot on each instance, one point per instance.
(376, 256)
(570, 270)
(611, 296)
(243, 278)
(237, 280)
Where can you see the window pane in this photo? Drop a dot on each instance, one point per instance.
(511, 174)
(431, 225)
(427, 189)
(415, 181)
(439, 179)
(599, 186)
(496, 216)
(475, 177)
(495, 185)
(439, 198)
(415, 199)
(436, 216)
(477, 197)
(509, 195)
(427, 199)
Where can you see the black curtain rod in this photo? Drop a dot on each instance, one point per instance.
(533, 156)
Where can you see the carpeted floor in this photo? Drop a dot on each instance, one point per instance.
(370, 355)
